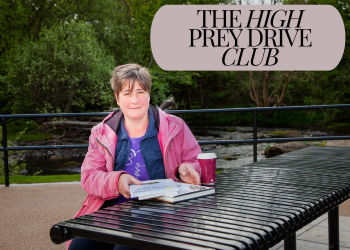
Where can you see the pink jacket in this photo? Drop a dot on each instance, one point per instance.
(177, 144)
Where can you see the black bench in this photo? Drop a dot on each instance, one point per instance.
(255, 207)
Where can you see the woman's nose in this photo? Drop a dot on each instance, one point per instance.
(134, 98)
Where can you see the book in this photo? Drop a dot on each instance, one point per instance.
(186, 192)
(153, 188)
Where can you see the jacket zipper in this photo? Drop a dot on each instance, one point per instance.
(105, 148)
(167, 154)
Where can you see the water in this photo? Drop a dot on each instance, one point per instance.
(52, 167)
(242, 153)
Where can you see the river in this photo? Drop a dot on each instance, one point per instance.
(241, 154)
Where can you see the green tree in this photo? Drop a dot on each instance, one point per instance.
(327, 87)
(65, 69)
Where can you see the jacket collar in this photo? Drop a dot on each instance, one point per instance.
(115, 120)
(150, 132)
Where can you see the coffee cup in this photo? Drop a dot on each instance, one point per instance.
(207, 163)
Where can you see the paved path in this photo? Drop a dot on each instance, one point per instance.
(314, 236)
(29, 211)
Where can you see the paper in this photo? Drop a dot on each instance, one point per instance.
(159, 187)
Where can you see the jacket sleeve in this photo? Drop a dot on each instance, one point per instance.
(95, 178)
(189, 150)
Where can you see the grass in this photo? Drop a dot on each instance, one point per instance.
(219, 171)
(22, 179)
(29, 136)
(318, 143)
(342, 125)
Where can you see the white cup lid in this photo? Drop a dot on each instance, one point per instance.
(205, 156)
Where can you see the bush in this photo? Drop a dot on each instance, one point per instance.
(65, 70)
(14, 167)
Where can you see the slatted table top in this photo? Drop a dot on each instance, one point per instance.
(255, 207)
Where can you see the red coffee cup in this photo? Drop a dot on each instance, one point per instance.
(207, 163)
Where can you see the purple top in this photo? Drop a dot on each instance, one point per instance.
(136, 165)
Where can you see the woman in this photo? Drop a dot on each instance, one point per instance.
(135, 143)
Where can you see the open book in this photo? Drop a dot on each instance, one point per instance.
(186, 192)
(153, 188)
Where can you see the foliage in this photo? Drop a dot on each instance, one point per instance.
(66, 69)
(30, 136)
(232, 129)
(160, 86)
(57, 56)
(14, 167)
(332, 87)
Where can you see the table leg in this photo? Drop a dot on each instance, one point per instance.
(333, 229)
(290, 243)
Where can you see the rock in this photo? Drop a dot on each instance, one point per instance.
(67, 156)
(67, 124)
(168, 104)
(55, 157)
(284, 134)
(50, 153)
(262, 136)
(230, 158)
(23, 172)
(232, 129)
(282, 148)
(338, 143)
(37, 154)
(318, 134)
(314, 143)
(58, 154)
(207, 148)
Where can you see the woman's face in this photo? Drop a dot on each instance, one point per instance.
(134, 103)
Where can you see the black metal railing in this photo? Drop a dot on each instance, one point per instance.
(255, 140)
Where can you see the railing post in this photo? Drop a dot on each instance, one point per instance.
(255, 137)
(4, 145)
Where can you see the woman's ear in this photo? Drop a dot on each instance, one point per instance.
(116, 97)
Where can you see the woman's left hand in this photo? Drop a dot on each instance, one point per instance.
(189, 175)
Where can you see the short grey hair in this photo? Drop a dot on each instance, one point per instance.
(130, 73)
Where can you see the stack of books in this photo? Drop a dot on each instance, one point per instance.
(168, 190)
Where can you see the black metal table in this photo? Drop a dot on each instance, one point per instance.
(255, 207)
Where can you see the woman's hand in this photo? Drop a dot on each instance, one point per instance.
(123, 184)
(189, 175)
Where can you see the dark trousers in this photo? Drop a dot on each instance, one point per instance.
(87, 244)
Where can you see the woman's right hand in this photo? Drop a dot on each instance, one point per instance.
(123, 184)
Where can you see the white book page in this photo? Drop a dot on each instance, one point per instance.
(162, 187)
(187, 188)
